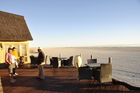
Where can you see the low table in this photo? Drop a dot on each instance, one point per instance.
(93, 65)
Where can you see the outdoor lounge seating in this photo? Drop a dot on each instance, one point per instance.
(54, 62)
(70, 60)
(85, 73)
(67, 62)
(102, 73)
(64, 62)
(33, 59)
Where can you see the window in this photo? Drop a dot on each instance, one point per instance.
(24, 51)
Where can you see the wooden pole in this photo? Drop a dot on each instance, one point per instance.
(109, 60)
(59, 55)
(91, 56)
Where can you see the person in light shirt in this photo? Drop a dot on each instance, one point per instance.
(11, 61)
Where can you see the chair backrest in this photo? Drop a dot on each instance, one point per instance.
(51, 62)
(106, 73)
(33, 60)
(55, 62)
(70, 61)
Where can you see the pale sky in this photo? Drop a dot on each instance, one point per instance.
(69, 23)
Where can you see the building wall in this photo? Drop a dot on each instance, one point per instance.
(22, 49)
(1, 54)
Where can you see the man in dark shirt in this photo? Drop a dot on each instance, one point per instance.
(40, 60)
(41, 57)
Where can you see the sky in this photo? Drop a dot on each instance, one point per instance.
(75, 23)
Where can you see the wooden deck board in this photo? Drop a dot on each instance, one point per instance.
(57, 81)
(1, 88)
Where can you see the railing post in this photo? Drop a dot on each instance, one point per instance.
(91, 56)
(109, 60)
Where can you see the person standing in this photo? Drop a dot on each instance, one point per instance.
(15, 53)
(10, 60)
(40, 60)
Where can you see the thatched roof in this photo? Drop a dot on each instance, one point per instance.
(13, 28)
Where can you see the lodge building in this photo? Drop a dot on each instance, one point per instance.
(14, 32)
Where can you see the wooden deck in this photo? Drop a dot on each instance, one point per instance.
(61, 80)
